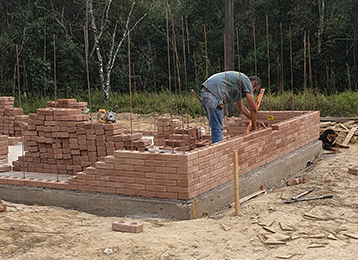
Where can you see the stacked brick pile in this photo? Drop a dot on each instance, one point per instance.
(12, 120)
(171, 134)
(183, 139)
(165, 126)
(67, 103)
(133, 142)
(64, 141)
(4, 149)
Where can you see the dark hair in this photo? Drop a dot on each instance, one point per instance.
(256, 79)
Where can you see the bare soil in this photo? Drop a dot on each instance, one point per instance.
(40, 232)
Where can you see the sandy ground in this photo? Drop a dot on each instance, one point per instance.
(39, 232)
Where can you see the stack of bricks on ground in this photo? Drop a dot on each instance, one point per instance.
(4, 150)
(63, 140)
(186, 175)
(172, 134)
(12, 120)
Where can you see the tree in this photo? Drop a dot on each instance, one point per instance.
(99, 28)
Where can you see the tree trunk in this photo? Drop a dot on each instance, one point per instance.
(321, 6)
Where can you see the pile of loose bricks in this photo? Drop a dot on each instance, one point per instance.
(172, 134)
(12, 120)
(4, 150)
(60, 139)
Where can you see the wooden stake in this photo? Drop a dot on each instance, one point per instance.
(236, 183)
(88, 90)
(282, 88)
(206, 72)
(268, 62)
(238, 49)
(253, 32)
(55, 86)
(19, 93)
(168, 51)
(291, 68)
(130, 88)
(186, 83)
(179, 86)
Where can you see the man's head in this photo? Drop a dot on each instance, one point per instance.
(255, 82)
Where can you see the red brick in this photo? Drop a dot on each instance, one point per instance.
(96, 183)
(115, 184)
(106, 178)
(130, 227)
(134, 174)
(125, 167)
(154, 163)
(156, 187)
(145, 193)
(135, 186)
(145, 181)
(140, 168)
(16, 181)
(124, 179)
(103, 165)
(166, 182)
(134, 161)
(353, 170)
(33, 182)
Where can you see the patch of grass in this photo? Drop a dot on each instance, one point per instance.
(344, 104)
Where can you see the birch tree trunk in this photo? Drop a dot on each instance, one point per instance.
(321, 7)
(105, 66)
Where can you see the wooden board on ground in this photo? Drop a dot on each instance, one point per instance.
(349, 136)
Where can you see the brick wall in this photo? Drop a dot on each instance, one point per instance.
(186, 175)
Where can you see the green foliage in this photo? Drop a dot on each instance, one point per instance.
(337, 105)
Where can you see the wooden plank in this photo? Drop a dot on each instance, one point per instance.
(339, 119)
(349, 136)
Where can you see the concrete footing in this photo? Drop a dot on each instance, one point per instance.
(139, 207)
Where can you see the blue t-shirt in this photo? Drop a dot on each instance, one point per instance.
(234, 83)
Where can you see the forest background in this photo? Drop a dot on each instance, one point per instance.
(303, 50)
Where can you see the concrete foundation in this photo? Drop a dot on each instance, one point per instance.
(134, 206)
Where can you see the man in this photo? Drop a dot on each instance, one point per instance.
(328, 138)
(228, 87)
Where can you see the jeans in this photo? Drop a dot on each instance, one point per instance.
(210, 103)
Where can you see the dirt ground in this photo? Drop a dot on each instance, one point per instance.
(40, 232)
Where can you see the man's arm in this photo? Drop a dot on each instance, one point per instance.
(252, 114)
